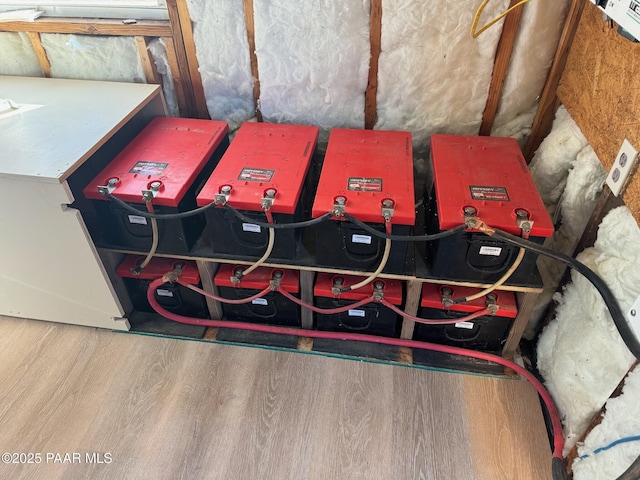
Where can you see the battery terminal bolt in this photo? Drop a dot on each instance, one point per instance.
(523, 221)
(336, 287)
(276, 280)
(378, 291)
(269, 196)
(447, 297)
(238, 273)
(387, 209)
(222, 197)
(339, 204)
(491, 303)
(107, 189)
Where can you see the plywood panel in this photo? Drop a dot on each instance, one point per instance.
(600, 90)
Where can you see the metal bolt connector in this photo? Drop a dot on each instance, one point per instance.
(339, 206)
(270, 193)
(336, 287)
(387, 209)
(520, 213)
(226, 189)
(341, 200)
(471, 223)
(470, 211)
(277, 274)
(155, 186)
(112, 182)
(447, 299)
(378, 285)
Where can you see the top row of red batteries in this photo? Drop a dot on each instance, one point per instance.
(186, 163)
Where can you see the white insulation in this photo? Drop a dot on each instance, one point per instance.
(580, 353)
(93, 57)
(17, 56)
(158, 51)
(313, 60)
(569, 177)
(222, 49)
(621, 420)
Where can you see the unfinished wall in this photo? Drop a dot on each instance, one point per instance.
(17, 56)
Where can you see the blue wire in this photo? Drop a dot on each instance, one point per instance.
(612, 444)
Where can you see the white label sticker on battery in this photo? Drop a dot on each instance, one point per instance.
(251, 227)
(164, 293)
(260, 301)
(361, 239)
(494, 251)
(137, 219)
(465, 325)
(356, 313)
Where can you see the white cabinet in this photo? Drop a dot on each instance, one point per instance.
(49, 267)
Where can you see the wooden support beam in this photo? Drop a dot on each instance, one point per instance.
(411, 305)
(192, 59)
(178, 80)
(207, 271)
(549, 102)
(255, 73)
(41, 54)
(500, 66)
(83, 26)
(375, 34)
(150, 71)
(191, 109)
(306, 295)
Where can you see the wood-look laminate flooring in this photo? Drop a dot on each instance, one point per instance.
(158, 408)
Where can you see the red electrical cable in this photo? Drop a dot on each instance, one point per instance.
(558, 438)
(326, 311)
(269, 215)
(221, 299)
(428, 321)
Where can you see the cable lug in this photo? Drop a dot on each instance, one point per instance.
(107, 189)
(266, 202)
(387, 209)
(447, 297)
(336, 287)
(491, 303)
(378, 291)
(339, 206)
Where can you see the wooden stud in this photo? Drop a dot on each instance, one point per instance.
(150, 71)
(405, 355)
(305, 344)
(549, 102)
(249, 20)
(526, 302)
(375, 34)
(306, 295)
(178, 80)
(207, 272)
(41, 54)
(211, 334)
(192, 59)
(500, 66)
(81, 26)
(414, 292)
(181, 61)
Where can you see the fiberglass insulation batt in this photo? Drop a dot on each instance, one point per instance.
(17, 56)
(580, 353)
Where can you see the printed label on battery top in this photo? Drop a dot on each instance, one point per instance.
(260, 301)
(364, 184)
(149, 168)
(256, 175)
(164, 293)
(137, 219)
(366, 239)
(251, 227)
(465, 325)
(356, 313)
(495, 194)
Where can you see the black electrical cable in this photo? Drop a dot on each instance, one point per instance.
(619, 319)
(403, 238)
(306, 223)
(160, 216)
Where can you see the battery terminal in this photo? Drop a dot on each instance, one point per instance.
(238, 273)
(266, 202)
(223, 197)
(276, 280)
(339, 206)
(447, 297)
(108, 189)
(524, 223)
(491, 303)
(336, 287)
(378, 291)
(152, 192)
(387, 209)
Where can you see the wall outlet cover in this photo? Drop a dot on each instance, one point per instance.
(622, 167)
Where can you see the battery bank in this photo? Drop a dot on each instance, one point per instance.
(171, 296)
(263, 157)
(372, 318)
(364, 168)
(485, 177)
(272, 308)
(486, 333)
(171, 158)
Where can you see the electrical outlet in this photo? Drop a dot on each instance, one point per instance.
(621, 167)
(633, 317)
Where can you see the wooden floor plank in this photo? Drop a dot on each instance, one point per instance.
(166, 408)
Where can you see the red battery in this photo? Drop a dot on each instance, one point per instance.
(486, 177)
(487, 332)
(365, 167)
(262, 157)
(171, 157)
(272, 308)
(172, 296)
(373, 318)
